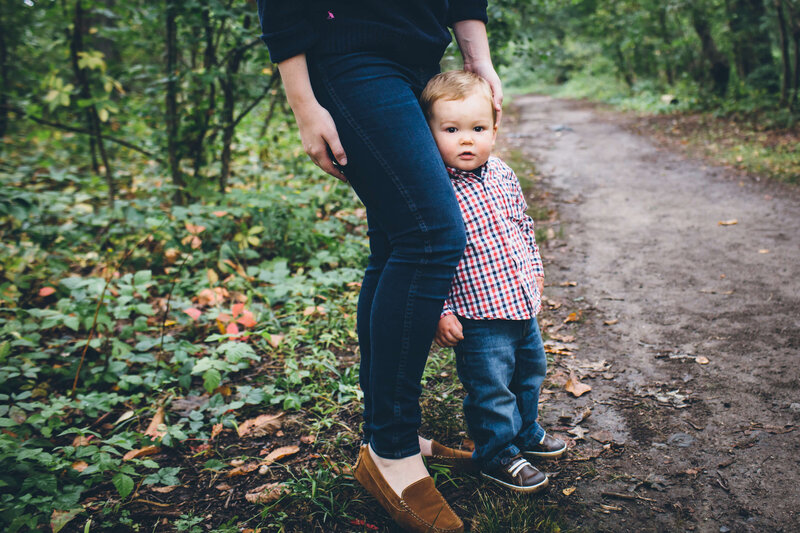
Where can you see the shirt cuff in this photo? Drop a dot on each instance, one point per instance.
(467, 10)
(290, 42)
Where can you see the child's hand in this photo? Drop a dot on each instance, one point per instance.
(449, 333)
(540, 284)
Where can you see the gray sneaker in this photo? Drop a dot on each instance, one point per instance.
(518, 475)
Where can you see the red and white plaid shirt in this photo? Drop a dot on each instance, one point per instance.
(495, 278)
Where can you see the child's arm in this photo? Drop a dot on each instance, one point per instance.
(525, 224)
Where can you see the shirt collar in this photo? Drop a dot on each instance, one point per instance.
(477, 173)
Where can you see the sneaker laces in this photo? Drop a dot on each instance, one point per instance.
(515, 467)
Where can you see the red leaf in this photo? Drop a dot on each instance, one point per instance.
(46, 291)
(247, 319)
(232, 329)
(237, 309)
(224, 318)
(193, 312)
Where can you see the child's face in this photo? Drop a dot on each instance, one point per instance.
(464, 130)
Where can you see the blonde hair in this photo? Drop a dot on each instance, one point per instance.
(454, 85)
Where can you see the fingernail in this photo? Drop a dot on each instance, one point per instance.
(343, 161)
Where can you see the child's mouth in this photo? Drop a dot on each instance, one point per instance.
(466, 154)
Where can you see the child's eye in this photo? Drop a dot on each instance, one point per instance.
(478, 129)
(451, 130)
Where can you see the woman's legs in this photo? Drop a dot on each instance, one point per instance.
(416, 232)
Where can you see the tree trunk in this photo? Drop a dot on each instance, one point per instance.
(172, 103)
(793, 8)
(667, 40)
(785, 60)
(92, 118)
(752, 44)
(5, 82)
(720, 68)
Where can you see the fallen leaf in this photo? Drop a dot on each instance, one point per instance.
(212, 297)
(232, 329)
(81, 440)
(578, 432)
(562, 338)
(611, 322)
(141, 452)
(308, 439)
(127, 415)
(59, 519)
(702, 359)
(261, 425)
(575, 387)
(568, 491)
(153, 430)
(573, 317)
(237, 309)
(602, 436)
(46, 291)
(568, 284)
(266, 493)
(222, 487)
(219, 213)
(242, 470)
(730, 222)
(279, 453)
(247, 319)
(237, 268)
(763, 251)
(165, 490)
(311, 310)
(193, 312)
(274, 340)
(194, 230)
(216, 429)
(224, 390)
(610, 508)
(80, 466)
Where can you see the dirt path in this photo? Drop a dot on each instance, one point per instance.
(689, 446)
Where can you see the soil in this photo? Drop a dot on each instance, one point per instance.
(681, 285)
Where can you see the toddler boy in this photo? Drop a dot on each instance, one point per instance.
(489, 315)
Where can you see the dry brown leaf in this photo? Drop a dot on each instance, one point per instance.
(81, 440)
(222, 487)
(763, 251)
(573, 317)
(730, 222)
(702, 359)
(266, 493)
(212, 297)
(275, 340)
(562, 338)
(141, 452)
(279, 453)
(165, 490)
(611, 322)
(308, 439)
(568, 284)
(261, 425)
(568, 491)
(602, 436)
(153, 429)
(216, 429)
(80, 466)
(575, 387)
(242, 470)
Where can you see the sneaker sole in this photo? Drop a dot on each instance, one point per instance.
(549, 455)
(534, 488)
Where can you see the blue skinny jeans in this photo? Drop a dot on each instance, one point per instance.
(502, 365)
(415, 228)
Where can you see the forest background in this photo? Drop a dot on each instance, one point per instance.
(172, 265)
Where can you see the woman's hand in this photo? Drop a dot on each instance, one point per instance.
(317, 129)
(318, 132)
(486, 71)
(474, 45)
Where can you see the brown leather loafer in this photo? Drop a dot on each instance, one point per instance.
(420, 509)
(549, 448)
(460, 460)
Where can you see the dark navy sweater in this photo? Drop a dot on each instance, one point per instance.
(410, 31)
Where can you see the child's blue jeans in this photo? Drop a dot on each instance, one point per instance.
(502, 365)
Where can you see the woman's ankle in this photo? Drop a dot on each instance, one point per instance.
(399, 473)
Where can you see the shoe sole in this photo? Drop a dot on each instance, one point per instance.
(534, 488)
(548, 455)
